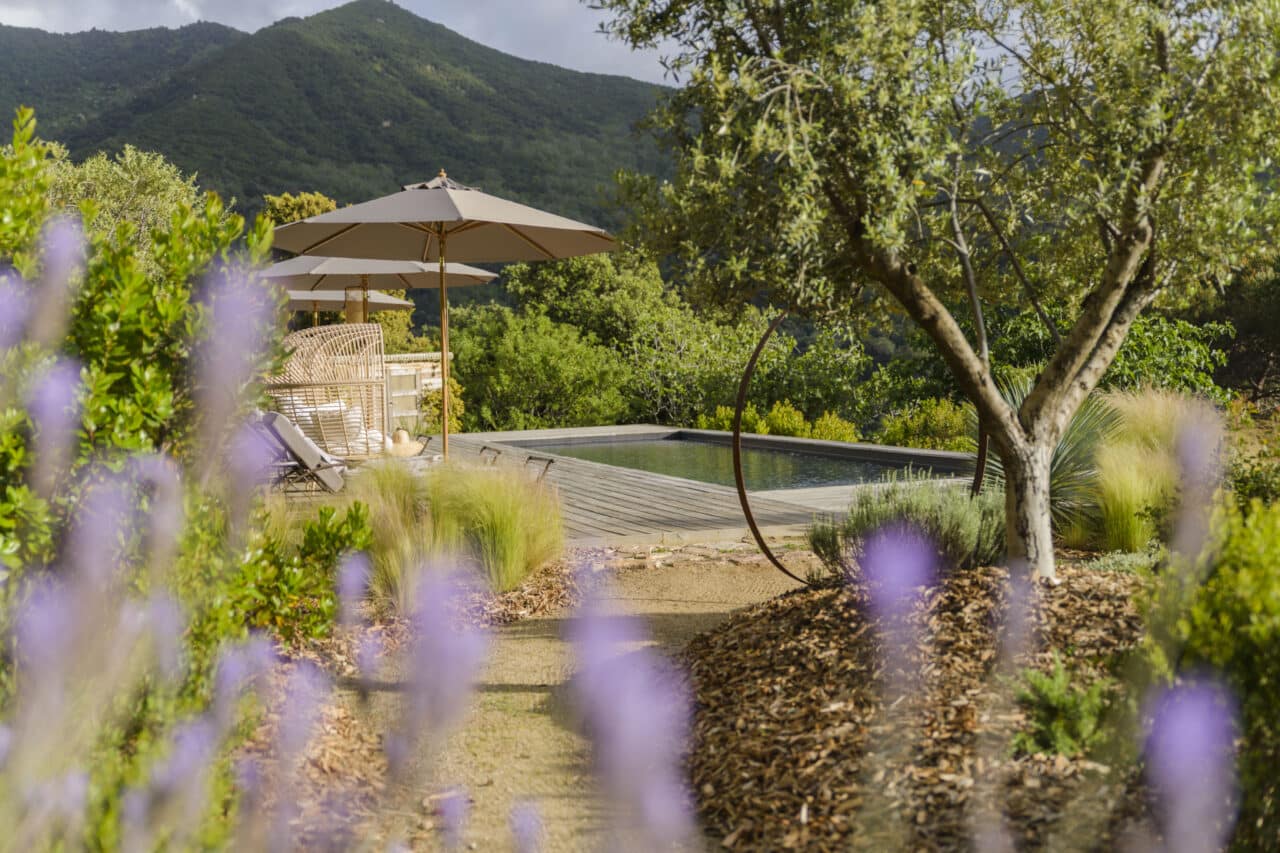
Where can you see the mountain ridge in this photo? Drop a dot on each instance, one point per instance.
(354, 102)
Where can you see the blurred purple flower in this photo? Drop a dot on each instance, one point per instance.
(445, 659)
(6, 741)
(898, 562)
(353, 584)
(1191, 764)
(240, 310)
(16, 297)
(46, 631)
(168, 623)
(305, 694)
(160, 473)
(526, 827)
(55, 411)
(101, 524)
(241, 667)
(454, 809)
(367, 655)
(1019, 615)
(63, 254)
(249, 459)
(1199, 449)
(636, 710)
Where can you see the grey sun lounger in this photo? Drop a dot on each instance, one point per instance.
(301, 462)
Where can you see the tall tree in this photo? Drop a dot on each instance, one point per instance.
(951, 154)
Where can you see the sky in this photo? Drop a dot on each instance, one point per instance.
(562, 32)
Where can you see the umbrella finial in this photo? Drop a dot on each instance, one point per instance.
(442, 173)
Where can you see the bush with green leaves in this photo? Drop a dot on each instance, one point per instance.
(525, 371)
(831, 427)
(782, 419)
(933, 423)
(1231, 622)
(429, 409)
(785, 419)
(1254, 477)
(1063, 717)
(967, 531)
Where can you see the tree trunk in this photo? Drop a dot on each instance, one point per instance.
(1029, 526)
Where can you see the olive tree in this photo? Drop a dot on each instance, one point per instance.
(945, 156)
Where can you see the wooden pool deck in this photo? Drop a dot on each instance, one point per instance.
(609, 505)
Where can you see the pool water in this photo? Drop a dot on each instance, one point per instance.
(709, 462)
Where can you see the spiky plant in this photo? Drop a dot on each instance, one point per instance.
(1073, 470)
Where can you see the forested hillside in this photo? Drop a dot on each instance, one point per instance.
(352, 102)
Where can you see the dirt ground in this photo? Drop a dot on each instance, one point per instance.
(518, 742)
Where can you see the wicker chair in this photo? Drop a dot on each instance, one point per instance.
(334, 387)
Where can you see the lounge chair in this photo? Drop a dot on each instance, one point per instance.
(301, 464)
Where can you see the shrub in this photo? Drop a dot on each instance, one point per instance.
(1231, 623)
(966, 531)
(722, 420)
(786, 419)
(1254, 478)
(432, 401)
(932, 424)
(832, 427)
(509, 524)
(1062, 717)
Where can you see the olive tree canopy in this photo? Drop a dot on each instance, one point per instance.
(1094, 154)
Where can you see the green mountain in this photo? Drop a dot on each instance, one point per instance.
(353, 102)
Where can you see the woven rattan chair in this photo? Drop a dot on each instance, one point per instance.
(334, 387)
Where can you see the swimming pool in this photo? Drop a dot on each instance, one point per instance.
(766, 463)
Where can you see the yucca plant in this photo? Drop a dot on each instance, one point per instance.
(1073, 470)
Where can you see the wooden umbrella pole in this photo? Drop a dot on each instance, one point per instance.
(364, 311)
(444, 351)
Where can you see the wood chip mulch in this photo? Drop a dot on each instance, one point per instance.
(795, 746)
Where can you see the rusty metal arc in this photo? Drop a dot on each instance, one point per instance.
(743, 387)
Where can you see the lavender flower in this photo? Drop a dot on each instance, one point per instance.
(454, 809)
(160, 474)
(62, 248)
(240, 311)
(15, 295)
(1199, 448)
(636, 710)
(101, 523)
(240, 667)
(1191, 765)
(445, 659)
(54, 409)
(353, 584)
(527, 830)
(897, 563)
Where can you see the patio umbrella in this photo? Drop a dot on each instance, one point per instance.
(336, 300)
(442, 219)
(312, 273)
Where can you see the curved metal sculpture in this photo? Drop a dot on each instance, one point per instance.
(743, 386)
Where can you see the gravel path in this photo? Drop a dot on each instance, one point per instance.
(518, 742)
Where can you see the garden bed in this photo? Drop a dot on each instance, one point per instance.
(794, 747)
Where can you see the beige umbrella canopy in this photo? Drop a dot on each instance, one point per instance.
(310, 273)
(438, 220)
(336, 300)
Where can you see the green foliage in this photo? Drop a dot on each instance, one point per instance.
(1063, 718)
(432, 402)
(136, 187)
(932, 423)
(722, 419)
(528, 372)
(526, 130)
(1231, 622)
(831, 427)
(966, 531)
(24, 184)
(1255, 477)
(786, 419)
(286, 207)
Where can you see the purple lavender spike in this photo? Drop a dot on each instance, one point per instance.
(1199, 449)
(305, 695)
(54, 408)
(103, 518)
(368, 653)
(241, 667)
(353, 583)
(16, 296)
(6, 743)
(1191, 764)
(454, 809)
(239, 312)
(63, 251)
(446, 659)
(47, 628)
(898, 562)
(168, 623)
(160, 473)
(527, 830)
